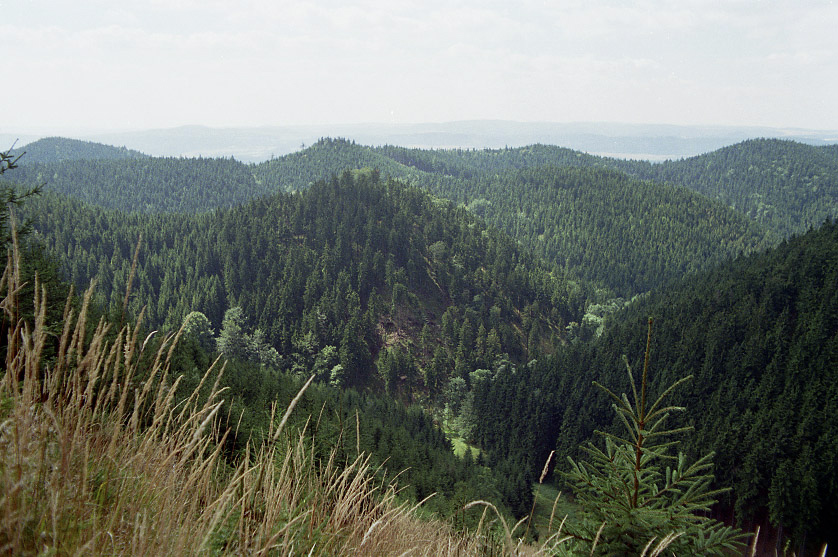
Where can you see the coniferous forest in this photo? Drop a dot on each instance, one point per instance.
(461, 322)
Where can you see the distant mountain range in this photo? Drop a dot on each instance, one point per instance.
(635, 141)
(618, 223)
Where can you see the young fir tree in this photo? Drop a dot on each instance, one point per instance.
(636, 497)
(10, 197)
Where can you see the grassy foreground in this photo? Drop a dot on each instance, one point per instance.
(98, 457)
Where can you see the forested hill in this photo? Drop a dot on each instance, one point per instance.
(58, 149)
(594, 223)
(787, 187)
(598, 224)
(759, 335)
(347, 269)
(415, 166)
(606, 227)
(148, 184)
(297, 171)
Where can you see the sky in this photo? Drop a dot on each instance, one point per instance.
(140, 64)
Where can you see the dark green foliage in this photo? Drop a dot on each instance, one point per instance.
(149, 184)
(606, 227)
(422, 167)
(785, 186)
(403, 442)
(597, 224)
(626, 234)
(8, 161)
(58, 149)
(760, 336)
(36, 269)
(635, 493)
(366, 282)
(313, 270)
(11, 197)
(298, 171)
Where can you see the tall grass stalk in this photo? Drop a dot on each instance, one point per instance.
(98, 457)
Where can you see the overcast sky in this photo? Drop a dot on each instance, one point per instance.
(117, 64)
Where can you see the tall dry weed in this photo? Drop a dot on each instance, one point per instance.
(98, 457)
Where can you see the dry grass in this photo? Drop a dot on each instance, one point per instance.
(97, 457)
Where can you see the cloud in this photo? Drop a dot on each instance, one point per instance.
(204, 61)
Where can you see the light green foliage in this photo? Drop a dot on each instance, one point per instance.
(325, 362)
(454, 394)
(234, 342)
(262, 352)
(438, 251)
(197, 326)
(634, 493)
(479, 206)
(231, 338)
(338, 376)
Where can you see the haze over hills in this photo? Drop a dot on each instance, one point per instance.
(636, 141)
(788, 186)
(592, 220)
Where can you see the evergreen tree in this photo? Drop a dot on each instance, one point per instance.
(11, 196)
(232, 341)
(630, 502)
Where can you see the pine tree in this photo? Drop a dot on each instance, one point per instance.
(232, 341)
(630, 502)
(11, 196)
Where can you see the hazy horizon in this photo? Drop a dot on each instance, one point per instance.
(80, 132)
(100, 65)
(256, 144)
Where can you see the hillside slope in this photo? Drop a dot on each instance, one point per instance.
(607, 227)
(759, 335)
(597, 224)
(60, 149)
(787, 187)
(415, 166)
(355, 264)
(148, 184)
(183, 456)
